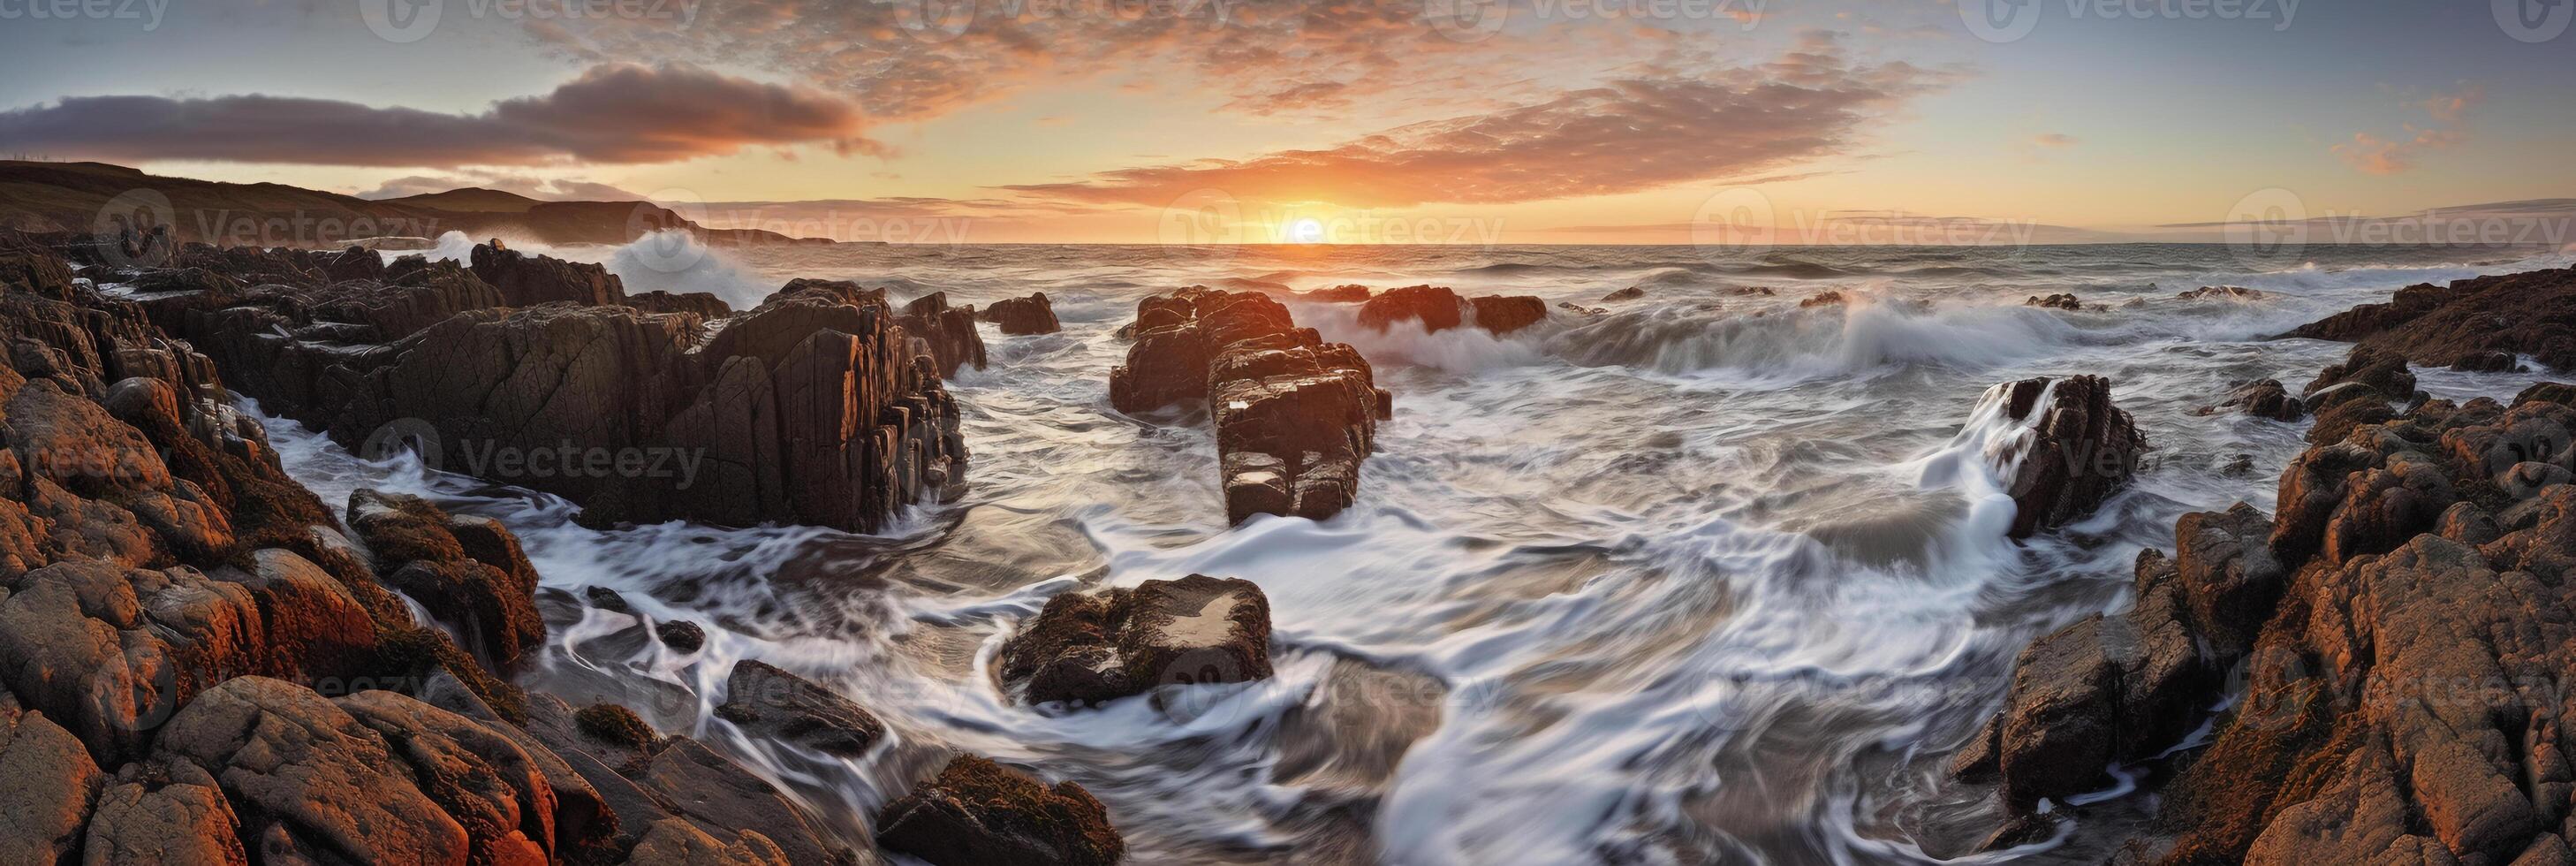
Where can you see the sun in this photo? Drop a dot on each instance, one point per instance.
(1306, 231)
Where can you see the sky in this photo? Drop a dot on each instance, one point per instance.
(1405, 121)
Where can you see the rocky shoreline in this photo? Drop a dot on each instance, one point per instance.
(207, 663)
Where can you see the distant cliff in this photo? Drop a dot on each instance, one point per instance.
(89, 196)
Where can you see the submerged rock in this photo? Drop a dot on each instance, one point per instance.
(1092, 647)
(977, 811)
(1627, 294)
(2055, 302)
(1347, 293)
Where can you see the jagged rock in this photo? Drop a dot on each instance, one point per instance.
(1627, 294)
(1294, 415)
(2467, 319)
(2223, 293)
(526, 280)
(2055, 302)
(2080, 448)
(2228, 575)
(977, 811)
(1826, 298)
(1091, 647)
(950, 332)
(772, 703)
(1017, 316)
(467, 571)
(705, 305)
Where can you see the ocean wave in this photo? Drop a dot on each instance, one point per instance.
(1797, 345)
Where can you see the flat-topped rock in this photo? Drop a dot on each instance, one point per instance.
(1098, 646)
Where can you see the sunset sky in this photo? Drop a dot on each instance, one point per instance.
(1536, 121)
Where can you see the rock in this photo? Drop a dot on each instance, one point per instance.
(2228, 575)
(1294, 415)
(2488, 362)
(467, 571)
(1439, 309)
(2107, 689)
(2220, 293)
(2081, 448)
(950, 332)
(1018, 316)
(1627, 294)
(1092, 647)
(2055, 302)
(1347, 293)
(676, 842)
(526, 280)
(606, 599)
(1571, 307)
(2466, 321)
(976, 811)
(704, 305)
(1752, 291)
(1504, 315)
(720, 797)
(2340, 419)
(1826, 298)
(681, 635)
(52, 786)
(313, 783)
(2265, 398)
(2393, 623)
(163, 812)
(767, 702)
(2368, 373)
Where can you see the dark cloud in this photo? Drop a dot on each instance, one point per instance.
(615, 113)
(1628, 135)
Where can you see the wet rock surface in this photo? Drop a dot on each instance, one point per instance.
(1086, 648)
(2471, 321)
(2396, 634)
(594, 396)
(1022, 316)
(2081, 448)
(977, 811)
(207, 664)
(1295, 416)
(1437, 308)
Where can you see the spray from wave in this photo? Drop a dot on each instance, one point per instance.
(669, 260)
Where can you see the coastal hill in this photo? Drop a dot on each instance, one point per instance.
(77, 196)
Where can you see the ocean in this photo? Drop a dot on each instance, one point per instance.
(1708, 576)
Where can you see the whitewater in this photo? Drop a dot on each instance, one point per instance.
(1704, 576)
